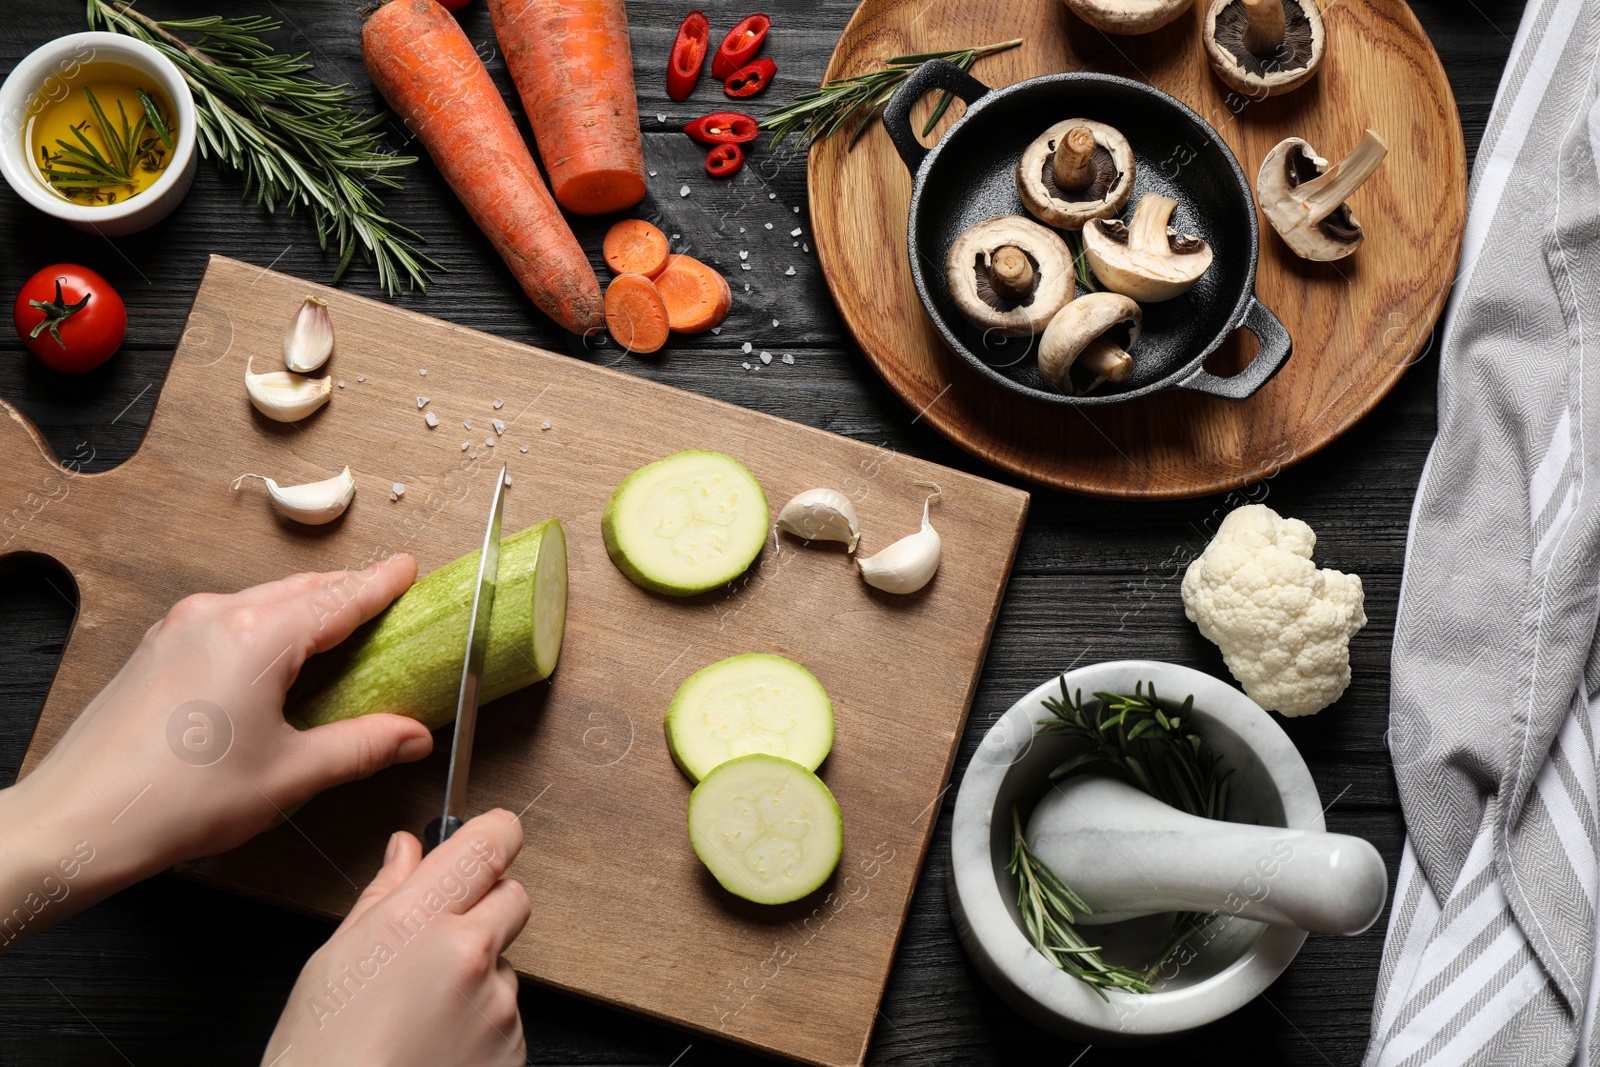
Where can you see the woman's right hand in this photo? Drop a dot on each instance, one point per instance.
(414, 975)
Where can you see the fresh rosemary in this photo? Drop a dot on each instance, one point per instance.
(85, 167)
(1080, 261)
(858, 98)
(297, 141)
(1137, 740)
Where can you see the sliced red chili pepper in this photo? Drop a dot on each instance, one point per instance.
(723, 127)
(740, 46)
(723, 160)
(687, 56)
(751, 78)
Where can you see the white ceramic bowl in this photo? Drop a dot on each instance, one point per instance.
(44, 75)
(1238, 959)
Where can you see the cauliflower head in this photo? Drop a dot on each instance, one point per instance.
(1283, 626)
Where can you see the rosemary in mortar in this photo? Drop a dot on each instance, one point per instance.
(858, 98)
(297, 141)
(1137, 740)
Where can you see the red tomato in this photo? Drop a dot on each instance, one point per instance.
(70, 317)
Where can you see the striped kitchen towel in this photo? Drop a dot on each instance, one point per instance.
(1490, 955)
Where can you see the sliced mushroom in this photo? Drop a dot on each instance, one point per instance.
(1264, 47)
(1147, 259)
(1092, 334)
(1304, 198)
(1009, 275)
(1075, 171)
(1128, 16)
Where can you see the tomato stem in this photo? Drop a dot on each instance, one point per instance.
(56, 312)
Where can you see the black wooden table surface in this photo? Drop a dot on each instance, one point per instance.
(173, 972)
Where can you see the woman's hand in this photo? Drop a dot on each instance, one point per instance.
(186, 753)
(414, 974)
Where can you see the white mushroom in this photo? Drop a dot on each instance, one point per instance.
(1147, 259)
(1304, 198)
(1075, 171)
(1009, 275)
(1093, 333)
(1128, 16)
(1264, 47)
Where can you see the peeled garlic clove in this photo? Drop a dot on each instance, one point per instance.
(821, 515)
(285, 397)
(910, 563)
(308, 341)
(313, 503)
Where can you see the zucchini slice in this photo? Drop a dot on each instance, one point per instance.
(750, 703)
(408, 659)
(686, 524)
(766, 828)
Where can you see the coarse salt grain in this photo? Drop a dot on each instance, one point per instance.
(804, 247)
(772, 196)
(744, 255)
(741, 229)
(766, 357)
(790, 271)
(676, 236)
(746, 366)
(508, 477)
(498, 403)
(466, 423)
(399, 489)
(787, 358)
(545, 425)
(341, 383)
(797, 210)
(422, 371)
(652, 174)
(683, 191)
(774, 322)
(769, 225)
(422, 402)
(746, 348)
(472, 455)
(796, 231)
(488, 442)
(744, 266)
(661, 118)
(361, 377)
(716, 329)
(465, 445)
(524, 448)
(431, 419)
(499, 427)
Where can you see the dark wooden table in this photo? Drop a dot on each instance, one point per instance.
(172, 972)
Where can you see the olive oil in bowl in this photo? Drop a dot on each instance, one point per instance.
(108, 137)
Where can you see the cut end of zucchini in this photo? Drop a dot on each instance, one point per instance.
(745, 704)
(686, 524)
(766, 828)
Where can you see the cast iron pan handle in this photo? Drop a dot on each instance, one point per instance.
(934, 74)
(1274, 353)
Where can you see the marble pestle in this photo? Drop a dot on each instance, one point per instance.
(1128, 854)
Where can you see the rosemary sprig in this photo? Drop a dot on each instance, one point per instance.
(1049, 908)
(1138, 740)
(97, 169)
(297, 141)
(1080, 261)
(823, 111)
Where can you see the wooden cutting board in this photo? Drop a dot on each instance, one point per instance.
(622, 910)
(1357, 324)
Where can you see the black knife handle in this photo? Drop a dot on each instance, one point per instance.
(439, 831)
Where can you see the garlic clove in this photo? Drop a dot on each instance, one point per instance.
(309, 339)
(313, 503)
(821, 515)
(911, 562)
(285, 397)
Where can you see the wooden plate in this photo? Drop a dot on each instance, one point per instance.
(1357, 324)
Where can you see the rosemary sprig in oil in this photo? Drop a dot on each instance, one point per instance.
(858, 98)
(125, 147)
(297, 141)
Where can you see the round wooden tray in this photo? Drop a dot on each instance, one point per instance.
(1357, 324)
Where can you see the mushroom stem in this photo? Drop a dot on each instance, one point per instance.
(1263, 33)
(1322, 195)
(1074, 159)
(1148, 231)
(1103, 358)
(1010, 272)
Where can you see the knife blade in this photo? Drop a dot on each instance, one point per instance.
(455, 790)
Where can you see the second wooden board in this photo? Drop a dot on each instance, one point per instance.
(1356, 324)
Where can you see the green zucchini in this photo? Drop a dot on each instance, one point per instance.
(750, 703)
(766, 828)
(408, 659)
(687, 523)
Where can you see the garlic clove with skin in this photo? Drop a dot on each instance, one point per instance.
(308, 341)
(285, 397)
(910, 563)
(313, 503)
(821, 515)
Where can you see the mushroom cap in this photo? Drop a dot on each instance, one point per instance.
(966, 269)
(1305, 43)
(1128, 16)
(1148, 275)
(1078, 325)
(1293, 163)
(1105, 196)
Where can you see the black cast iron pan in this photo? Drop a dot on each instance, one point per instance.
(969, 176)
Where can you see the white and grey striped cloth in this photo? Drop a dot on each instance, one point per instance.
(1495, 711)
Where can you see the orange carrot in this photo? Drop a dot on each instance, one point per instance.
(633, 246)
(635, 314)
(696, 296)
(573, 68)
(430, 74)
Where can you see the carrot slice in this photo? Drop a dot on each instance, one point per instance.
(633, 246)
(697, 297)
(636, 314)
